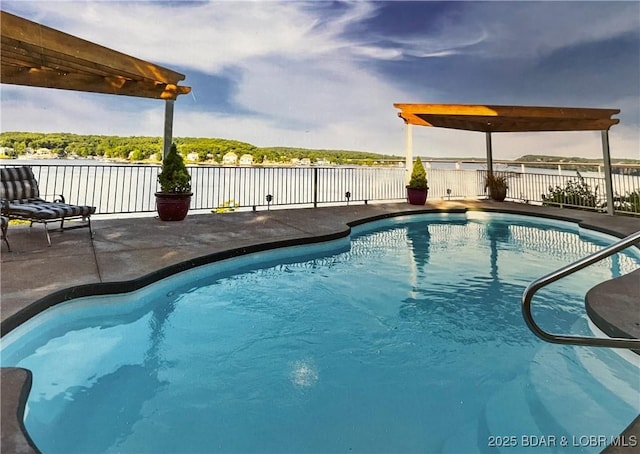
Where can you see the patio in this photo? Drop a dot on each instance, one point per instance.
(130, 252)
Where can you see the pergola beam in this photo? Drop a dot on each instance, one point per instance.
(532, 112)
(493, 118)
(39, 41)
(512, 124)
(112, 85)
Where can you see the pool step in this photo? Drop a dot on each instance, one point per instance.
(614, 373)
(510, 423)
(465, 440)
(558, 395)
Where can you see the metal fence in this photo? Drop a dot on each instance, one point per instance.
(576, 191)
(130, 188)
(123, 188)
(242, 187)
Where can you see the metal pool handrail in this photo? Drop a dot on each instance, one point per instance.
(527, 296)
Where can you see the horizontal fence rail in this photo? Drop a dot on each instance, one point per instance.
(130, 188)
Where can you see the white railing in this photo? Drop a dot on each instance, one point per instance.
(126, 188)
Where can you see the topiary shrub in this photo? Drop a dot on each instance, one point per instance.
(174, 177)
(418, 176)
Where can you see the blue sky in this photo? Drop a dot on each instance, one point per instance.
(325, 74)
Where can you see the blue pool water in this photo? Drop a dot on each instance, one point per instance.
(407, 337)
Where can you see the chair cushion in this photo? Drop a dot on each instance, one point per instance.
(42, 210)
(18, 183)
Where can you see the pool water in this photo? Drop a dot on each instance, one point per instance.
(407, 338)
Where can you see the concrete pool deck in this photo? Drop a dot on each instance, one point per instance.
(130, 252)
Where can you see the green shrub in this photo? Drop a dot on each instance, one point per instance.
(174, 177)
(629, 202)
(418, 176)
(576, 193)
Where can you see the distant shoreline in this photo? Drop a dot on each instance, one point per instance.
(219, 151)
(475, 164)
(553, 161)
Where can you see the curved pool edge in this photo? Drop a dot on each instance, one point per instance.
(10, 411)
(115, 287)
(609, 306)
(16, 386)
(120, 287)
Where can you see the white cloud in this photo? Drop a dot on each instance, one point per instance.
(44, 110)
(305, 83)
(531, 29)
(206, 36)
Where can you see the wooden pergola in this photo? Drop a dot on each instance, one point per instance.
(490, 119)
(39, 56)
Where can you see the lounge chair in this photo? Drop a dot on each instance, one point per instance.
(20, 197)
(4, 225)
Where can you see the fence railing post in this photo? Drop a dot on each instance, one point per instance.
(315, 187)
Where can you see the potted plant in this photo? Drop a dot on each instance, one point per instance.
(497, 185)
(174, 198)
(417, 188)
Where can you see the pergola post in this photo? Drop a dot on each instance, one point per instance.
(408, 163)
(489, 153)
(608, 181)
(168, 126)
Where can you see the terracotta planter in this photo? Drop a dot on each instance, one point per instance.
(498, 193)
(172, 207)
(417, 196)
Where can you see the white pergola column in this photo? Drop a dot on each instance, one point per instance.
(608, 181)
(168, 126)
(408, 163)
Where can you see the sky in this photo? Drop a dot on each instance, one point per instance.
(324, 74)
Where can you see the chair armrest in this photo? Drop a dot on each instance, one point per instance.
(56, 198)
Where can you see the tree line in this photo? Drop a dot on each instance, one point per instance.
(140, 148)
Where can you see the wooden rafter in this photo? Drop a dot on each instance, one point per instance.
(488, 118)
(35, 55)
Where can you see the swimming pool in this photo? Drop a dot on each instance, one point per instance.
(408, 338)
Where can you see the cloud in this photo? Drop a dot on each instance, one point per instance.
(206, 36)
(44, 110)
(533, 29)
(326, 74)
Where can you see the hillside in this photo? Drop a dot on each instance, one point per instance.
(580, 164)
(560, 159)
(149, 148)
